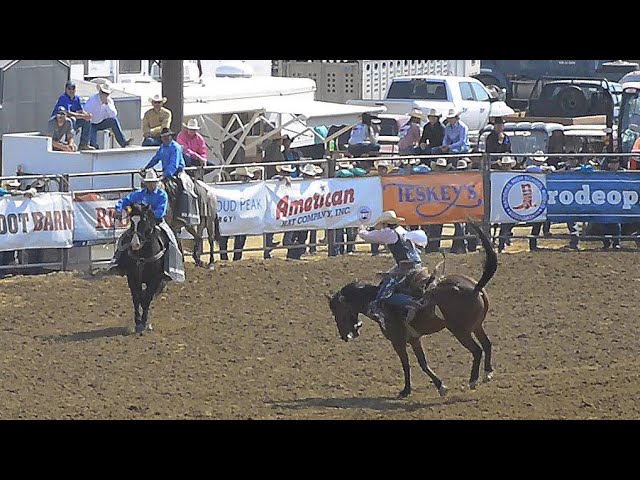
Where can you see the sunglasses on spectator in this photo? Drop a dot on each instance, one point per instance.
(71, 88)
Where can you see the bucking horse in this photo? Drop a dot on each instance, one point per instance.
(461, 305)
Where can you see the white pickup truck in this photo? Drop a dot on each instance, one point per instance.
(442, 93)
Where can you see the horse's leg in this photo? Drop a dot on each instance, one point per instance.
(422, 360)
(197, 243)
(212, 238)
(400, 347)
(465, 338)
(136, 293)
(486, 347)
(150, 291)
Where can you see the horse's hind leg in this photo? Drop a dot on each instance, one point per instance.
(422, 360)
(465, 338)
(212, 238)
(196, 233)
(147, 296)
(486, 346)
(401, 349)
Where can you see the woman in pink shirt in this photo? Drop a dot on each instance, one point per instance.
(193, 145)
(410, 134)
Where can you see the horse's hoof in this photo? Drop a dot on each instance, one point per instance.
(404, 393)
(473, 385)
(211, 266)
(140, 328)
(488, 376)
(149, 327)
(443, 390)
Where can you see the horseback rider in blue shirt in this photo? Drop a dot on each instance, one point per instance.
(402, 245)
(154, 196)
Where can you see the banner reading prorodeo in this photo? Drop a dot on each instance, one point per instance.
(435, 197)
(323, 204)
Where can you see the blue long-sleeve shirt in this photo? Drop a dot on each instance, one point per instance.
(171, 157)
(456, 136)
(70, 104)
(158, 199)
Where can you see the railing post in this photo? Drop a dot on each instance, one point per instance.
(329, 234)
(485, 168)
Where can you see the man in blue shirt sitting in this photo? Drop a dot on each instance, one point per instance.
(75, 111)
(151, 194)
(175, 179)
(456, 135)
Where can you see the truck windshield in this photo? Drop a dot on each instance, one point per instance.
(527, 141)
(629, 121)
(417, 89)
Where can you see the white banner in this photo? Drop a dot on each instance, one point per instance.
(518, 197)
(241, 207)
(44, 221)
(323, 204)
(94, 222)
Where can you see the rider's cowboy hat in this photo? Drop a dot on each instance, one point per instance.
(416, 113)
(285, 168)
(104, 88)
(389, 217)
(158, 98)
(192, 124)
(539, 156)
(433, 113)
(311, 170)
(243, 172)
(453, 112)
(150, 176)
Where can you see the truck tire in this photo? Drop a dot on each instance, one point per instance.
(572, 102)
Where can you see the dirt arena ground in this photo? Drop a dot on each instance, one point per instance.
(255, 339)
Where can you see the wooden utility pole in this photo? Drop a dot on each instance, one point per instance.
(172, 88)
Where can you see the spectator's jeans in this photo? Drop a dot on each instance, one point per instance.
(535, 230)
(434, 232)
(472, 243)
(504, 237)
(297, 241)
(351, 234)
(614, 229)
(106, 124)
(375, 249)
(85, 126)
(462, 149)
(360, 149)
(313, 238)
(192, 162)
(573, 231)
(458, 246)
(411, 151)
(268, 240)
(152, 142)
(238, 243)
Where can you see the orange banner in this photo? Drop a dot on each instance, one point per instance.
(434, 197)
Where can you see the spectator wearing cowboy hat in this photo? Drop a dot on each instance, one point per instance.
(410, 134)
(154, 120)
(104, 116)
(432, 133)
(194, 148)
(364, 136)
(463, 245)
(76, 113)
(440, 165)
(244, 175)
(273, 153)
(497, 141)
(296, 240)
(288, 153)
(504, 163)
(61, 132)
(456, 135)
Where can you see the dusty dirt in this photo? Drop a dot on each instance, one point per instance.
(255, 339)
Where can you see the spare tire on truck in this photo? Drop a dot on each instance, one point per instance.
(572, 102)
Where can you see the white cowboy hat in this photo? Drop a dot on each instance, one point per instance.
(462, 164)
(311, 170)
(192, 124)
(434, 113)
(389, 217)
(345, 164)
(150, 176)
(539, 156)
(13, 183)
(441, 162)
(416, 113)
(242, 172)
(104, 88)
(507, 161)
(453, 112)
(285, 168)
(158, 98)
(388, 164)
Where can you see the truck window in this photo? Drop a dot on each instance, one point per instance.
(466, 92)
(417, 89)
(480, 93)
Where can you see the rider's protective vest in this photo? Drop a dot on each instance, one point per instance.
(404, 249)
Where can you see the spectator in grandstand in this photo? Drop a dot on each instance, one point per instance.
(154, 120)
(61, 132)
(432, 133)
(80, 119)
(410, 134)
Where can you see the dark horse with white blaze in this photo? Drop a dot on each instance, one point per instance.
(461, 307)
(143, 262)
(209, 219)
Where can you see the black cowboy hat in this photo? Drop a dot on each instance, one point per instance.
(166, 131)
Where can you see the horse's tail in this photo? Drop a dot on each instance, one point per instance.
(491, 259)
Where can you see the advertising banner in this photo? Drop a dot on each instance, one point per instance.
(518, 197)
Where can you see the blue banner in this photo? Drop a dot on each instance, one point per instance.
(602, 197)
